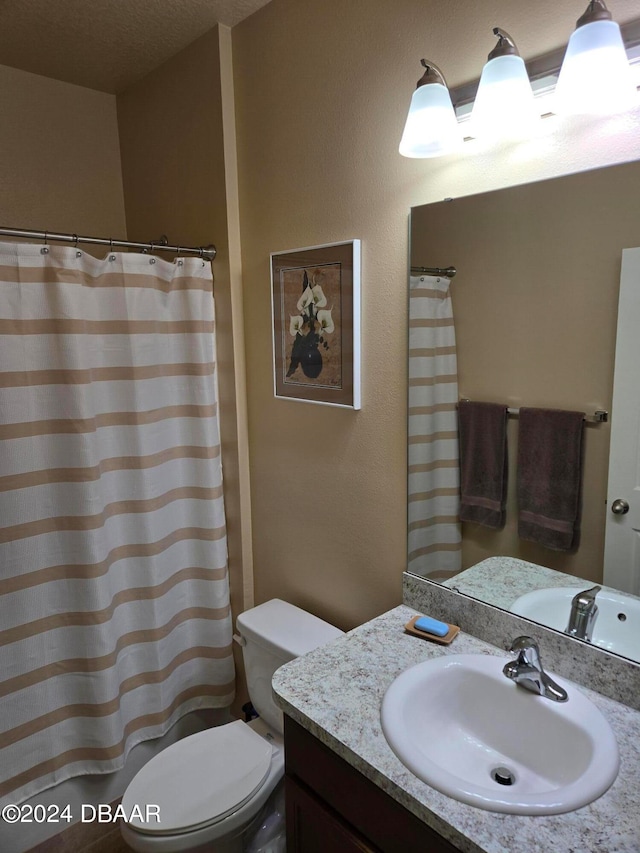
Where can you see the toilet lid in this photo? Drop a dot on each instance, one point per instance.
(198, 780)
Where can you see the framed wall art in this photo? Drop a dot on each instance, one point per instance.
(315, 294)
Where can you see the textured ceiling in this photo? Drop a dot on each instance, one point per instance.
(107, 44)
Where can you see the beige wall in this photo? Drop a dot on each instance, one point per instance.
(173, 165)
(535, 302)
(60, 163)
(322, 90)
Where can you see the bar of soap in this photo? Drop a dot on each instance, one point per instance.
(431, 626)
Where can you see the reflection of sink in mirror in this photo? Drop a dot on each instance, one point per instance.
(465, 729)
(617, 626)
(500, 581)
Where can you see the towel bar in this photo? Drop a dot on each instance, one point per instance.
(600, 416)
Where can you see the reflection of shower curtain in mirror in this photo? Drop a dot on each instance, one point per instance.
(113, 559)
(434, 539)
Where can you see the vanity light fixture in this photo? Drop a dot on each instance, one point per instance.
(599, 72)
(595, 77)
(431, 128)
(504, 107)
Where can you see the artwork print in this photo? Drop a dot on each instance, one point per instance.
(312, 301)
(316, 318)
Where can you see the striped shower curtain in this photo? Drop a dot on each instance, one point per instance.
(113, 559)
(434, 538)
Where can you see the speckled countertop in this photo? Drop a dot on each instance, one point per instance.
(501, 580)
(335, 692)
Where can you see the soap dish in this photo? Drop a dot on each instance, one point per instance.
(452, 633)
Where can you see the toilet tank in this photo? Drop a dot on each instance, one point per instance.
(272, 634)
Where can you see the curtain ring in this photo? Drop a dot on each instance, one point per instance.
(201, 251)
(45, 237)
(111, 243)
(75, 240)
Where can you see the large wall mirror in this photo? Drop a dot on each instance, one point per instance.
(535, 307)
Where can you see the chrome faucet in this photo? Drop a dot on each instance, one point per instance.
(584, 611)
(526, 670)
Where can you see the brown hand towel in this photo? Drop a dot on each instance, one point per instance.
(483, 462)
(549, 477)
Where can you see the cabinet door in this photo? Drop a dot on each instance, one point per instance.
(313, 828)
(354, 800)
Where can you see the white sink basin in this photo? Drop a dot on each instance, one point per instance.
(455, 719)
(617, 626)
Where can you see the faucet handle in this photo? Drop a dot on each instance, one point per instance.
(583, 613)
(527, 670)
(527, 650)
(585, 598)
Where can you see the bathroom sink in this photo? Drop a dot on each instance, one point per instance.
(465, 729)
(617, 626)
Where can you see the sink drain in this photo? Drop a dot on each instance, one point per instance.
(503, 776)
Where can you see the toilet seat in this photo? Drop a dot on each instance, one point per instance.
(200, 779)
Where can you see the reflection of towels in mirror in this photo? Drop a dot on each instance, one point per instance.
(483, 462)
(550, 477)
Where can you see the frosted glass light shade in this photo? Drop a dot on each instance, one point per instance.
(595, 77)
(432, 128)
(504, 107)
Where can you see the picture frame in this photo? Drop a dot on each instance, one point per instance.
(315, 300)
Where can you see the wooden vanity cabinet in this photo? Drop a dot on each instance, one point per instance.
(332, 808)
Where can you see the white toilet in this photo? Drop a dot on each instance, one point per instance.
(210, 786)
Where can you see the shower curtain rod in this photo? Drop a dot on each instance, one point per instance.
(449, 272)
(208, 253)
